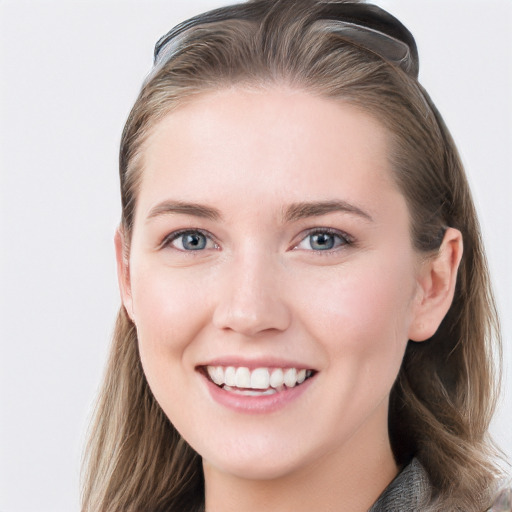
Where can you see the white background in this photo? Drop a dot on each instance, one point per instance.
(69, 72)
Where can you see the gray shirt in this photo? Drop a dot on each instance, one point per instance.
(410, 492)
(407, 492)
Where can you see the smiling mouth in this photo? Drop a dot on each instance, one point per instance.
(257, 382)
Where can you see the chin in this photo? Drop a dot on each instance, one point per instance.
(254, 469)
(261, 458)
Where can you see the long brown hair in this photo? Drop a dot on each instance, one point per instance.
(445, 393)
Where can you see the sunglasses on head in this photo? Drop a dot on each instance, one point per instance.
(364, 25)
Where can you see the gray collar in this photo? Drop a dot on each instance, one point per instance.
(409, 491)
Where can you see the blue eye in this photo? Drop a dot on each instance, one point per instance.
(190, 241)
(323, 241)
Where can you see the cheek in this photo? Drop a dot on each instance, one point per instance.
(363, 311)
(362, 330)
(170, 308)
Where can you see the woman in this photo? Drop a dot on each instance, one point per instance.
(307, 322)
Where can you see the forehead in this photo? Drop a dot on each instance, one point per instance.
(274, 142)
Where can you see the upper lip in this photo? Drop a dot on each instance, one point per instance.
(266, 362)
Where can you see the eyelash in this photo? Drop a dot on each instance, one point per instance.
(172, 237)
(344, 240)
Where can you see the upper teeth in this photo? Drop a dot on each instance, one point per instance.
(258, 378)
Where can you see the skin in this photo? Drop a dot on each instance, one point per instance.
(259, 290)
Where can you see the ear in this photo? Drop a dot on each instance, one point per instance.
(437, 280)
(123, 271)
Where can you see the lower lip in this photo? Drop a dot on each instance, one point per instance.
(256, 404)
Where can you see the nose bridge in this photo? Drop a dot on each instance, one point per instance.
(252, 298)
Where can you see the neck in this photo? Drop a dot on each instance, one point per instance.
(347, 480)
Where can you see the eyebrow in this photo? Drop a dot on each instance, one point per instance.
(182, 208)
(297, 211)
(292, 213)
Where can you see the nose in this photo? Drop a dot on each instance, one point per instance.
(252, 300)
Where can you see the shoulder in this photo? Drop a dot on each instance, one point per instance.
(503, 500)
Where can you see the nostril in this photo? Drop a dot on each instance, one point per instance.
(252, 317)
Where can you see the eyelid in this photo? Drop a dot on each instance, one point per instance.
(174, 235)
(171, 237)
(347, 239)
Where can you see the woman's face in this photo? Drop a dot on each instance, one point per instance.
(271, 253)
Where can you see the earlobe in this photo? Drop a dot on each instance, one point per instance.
(437, 281)
(123, 271)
